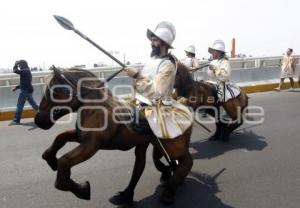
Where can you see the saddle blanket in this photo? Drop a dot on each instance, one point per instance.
(168, 122)
(226, 91)
(165, 121)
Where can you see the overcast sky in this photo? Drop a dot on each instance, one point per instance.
(29, 31)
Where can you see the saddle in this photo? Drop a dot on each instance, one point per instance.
(139, 123)
(228, 92)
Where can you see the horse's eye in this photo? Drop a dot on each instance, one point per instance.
(56, 111)
(61, 93)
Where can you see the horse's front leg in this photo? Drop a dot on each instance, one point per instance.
(50, 154)
(63, 181)
(126, 196)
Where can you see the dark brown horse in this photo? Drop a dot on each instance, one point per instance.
(95, 106)
(204, 94)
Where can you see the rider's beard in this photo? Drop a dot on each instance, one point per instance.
(155, 51)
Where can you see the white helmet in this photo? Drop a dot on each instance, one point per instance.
(191, 49)
(164, 31)
(218, 45)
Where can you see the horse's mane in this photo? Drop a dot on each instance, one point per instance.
(188, 86)
(75, 74)
(185, 79)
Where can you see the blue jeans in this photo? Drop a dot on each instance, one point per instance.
(23, 96)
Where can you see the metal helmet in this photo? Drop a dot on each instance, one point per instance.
(191, 49)
(164, 31)
(218, 45)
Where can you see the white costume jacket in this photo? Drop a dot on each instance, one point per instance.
(166, 117)
(288, 66)
(221, 76)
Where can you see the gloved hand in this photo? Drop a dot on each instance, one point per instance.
(132, 72)
(212, 67)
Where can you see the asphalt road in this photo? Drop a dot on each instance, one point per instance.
(259, 166)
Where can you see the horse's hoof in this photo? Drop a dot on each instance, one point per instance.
(83, 191)
(165, 176)
(124, 197)
(167, 198)
(50, 159)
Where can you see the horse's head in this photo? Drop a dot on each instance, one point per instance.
(198, 93)
(61, 96)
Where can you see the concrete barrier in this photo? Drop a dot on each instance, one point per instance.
(241, 76)
(253, 75)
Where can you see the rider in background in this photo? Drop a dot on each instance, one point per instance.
(190, 61)
(219, 68)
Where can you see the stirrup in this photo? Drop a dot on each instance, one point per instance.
(173, 164)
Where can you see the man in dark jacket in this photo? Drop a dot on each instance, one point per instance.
(21, 68)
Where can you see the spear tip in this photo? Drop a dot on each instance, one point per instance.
(64, 22)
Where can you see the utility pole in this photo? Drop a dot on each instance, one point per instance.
(233, 48)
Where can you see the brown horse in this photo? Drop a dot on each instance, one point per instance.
(204, 94)
(94, 112)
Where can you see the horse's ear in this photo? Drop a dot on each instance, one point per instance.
(51, 68)
(55, 70)
(183, 70)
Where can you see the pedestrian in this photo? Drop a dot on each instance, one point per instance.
(288, 67)
(21, 68)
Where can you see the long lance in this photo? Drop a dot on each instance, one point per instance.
(67, 24)
(201, 67)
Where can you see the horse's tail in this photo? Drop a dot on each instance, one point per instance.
(245, 109)
(247, 101)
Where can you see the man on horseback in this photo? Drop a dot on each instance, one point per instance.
(219, 71)
(154, 85)
(229, 95)
(190, 61)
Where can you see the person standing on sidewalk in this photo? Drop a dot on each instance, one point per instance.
(288, 68)
(21, 68)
